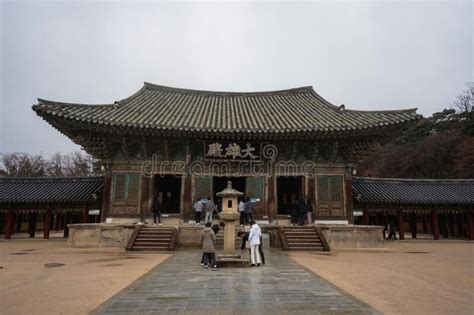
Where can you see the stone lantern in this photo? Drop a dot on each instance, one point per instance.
(229, 215)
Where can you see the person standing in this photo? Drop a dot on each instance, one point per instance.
(248, 210)
(208, 240)
(198, 207)
(210, 207)
(242, 212)
(157, 210)
(392, 235)
(254, 239)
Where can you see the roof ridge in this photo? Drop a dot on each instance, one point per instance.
(302, 89)
(428, 180)
(42, 101)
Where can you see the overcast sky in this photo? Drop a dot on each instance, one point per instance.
(366, 55)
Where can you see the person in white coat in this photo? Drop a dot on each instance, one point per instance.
(254, 240)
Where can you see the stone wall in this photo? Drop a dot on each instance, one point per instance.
(99, 235)
(352, 236)
(190, 235)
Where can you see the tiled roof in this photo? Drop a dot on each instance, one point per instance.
(48, 190)
(413, 191)
(157, 108)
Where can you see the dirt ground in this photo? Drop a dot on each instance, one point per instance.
(409, 277)
(88, 277)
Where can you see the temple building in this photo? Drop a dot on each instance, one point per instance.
(180, 145)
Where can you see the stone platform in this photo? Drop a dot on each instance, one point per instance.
(226, 261)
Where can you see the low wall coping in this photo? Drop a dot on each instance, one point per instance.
(101, 226)
(335, 227)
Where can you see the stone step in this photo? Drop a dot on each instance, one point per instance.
(291, 241)
(295, 248)
(299, 234)
(140, 241)
(154, 233)
(154, 244)
(303, 244)
(149, 249)
(151, 239)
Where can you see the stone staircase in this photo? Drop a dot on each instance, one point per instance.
(153, 238)
(300, 238)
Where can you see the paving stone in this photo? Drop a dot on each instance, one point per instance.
(181, 286)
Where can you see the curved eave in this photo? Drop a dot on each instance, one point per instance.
(346, 121)
(80, 124)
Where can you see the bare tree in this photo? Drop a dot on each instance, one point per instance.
(55, 165)
(23, 164)
(464, 101)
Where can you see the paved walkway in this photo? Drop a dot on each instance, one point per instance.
(181, 286)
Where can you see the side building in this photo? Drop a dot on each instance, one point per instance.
(178, 146)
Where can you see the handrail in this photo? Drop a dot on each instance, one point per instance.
(323, 239)
(133, 237)
(174, 236)
(284, 242)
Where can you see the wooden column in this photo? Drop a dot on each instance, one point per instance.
(187, 198)
(10, 224)
(365, 217)
(145, 210)
(401, 228)
(435, 224)
(312, 195)
(105, 196)
(349, 202)
(85, 215)
(271, 199)
(470, 225)
(47, 223)
(32, 224)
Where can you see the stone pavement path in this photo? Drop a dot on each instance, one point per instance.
(181, 286)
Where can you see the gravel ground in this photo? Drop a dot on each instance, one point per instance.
(409, 277)
(87, 278)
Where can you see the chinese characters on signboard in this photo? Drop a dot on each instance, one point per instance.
(234, 151)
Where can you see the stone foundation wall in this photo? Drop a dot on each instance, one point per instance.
(189, 235)
(99, 235)
(352, 236)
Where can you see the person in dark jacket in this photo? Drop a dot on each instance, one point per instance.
(157, 210)
(208, 240)
(248, 210)
(260, 250)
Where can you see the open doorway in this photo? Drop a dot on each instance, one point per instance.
(168, 189)
(220, 183)
(289, 189)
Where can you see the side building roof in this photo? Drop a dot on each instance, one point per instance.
(173, 111)
(48, 191)
(385, 191)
